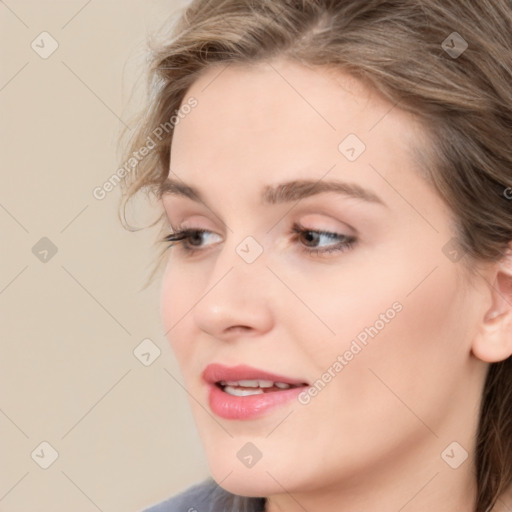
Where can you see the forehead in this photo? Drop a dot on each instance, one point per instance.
(285, 102)
(267, 122)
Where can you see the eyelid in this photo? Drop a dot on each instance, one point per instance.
(330, 226)
(345, 242)
(193, 222)
(318, 222)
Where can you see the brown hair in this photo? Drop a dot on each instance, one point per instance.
(409, 51)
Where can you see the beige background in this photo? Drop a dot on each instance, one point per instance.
(69, 325)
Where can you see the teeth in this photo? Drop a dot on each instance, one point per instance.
(242, 392)
(243, 383)
(265, 383)
(254, 384)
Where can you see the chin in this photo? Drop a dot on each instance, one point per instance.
(247, 484)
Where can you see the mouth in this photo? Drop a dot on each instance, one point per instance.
(242, 392)
(253, 387)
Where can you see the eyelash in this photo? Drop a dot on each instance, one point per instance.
(182, 236)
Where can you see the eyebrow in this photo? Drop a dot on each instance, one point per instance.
(282, 192)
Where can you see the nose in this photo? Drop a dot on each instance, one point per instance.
(237, 298)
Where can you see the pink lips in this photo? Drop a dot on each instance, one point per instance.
(246, 407)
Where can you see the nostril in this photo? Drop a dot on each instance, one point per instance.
(239, 328)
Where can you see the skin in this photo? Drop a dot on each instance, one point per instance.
(372, 439)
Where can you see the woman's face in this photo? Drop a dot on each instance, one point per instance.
(375, 311)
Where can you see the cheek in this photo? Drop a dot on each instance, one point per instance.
(176, 300)
(397, 388)
(395, 312)
(355, 300)
(404, 298)
(416, 358)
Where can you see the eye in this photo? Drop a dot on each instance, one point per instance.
(312, 240)
(189, 239)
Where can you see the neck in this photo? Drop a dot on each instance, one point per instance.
(421, 485)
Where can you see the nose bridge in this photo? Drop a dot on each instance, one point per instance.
(237, 292)
(244, 258)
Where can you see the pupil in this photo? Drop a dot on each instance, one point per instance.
(310, 236)
(197, 238)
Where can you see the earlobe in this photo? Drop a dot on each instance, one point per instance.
(493, 341)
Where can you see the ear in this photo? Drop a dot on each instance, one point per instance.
(493, 341)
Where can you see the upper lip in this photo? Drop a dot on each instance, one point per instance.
(217, 372)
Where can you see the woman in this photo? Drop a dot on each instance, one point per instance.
(336, 182)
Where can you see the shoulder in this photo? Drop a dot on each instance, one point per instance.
(206, 496)
(193, 498)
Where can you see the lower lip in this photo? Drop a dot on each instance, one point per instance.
(248, 407)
